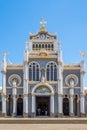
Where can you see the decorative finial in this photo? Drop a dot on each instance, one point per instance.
(4, 55)
(82, 54)
(42, 22)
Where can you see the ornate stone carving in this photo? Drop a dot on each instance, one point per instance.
(71, 80)
(42, 89)
(14, 80)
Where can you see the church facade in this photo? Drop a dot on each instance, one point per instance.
(43, 85)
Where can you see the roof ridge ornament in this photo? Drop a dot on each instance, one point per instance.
(42, 22)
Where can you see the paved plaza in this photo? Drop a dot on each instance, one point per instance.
(44, 124)
(43, 127)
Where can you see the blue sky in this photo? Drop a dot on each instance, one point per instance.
(66, 17)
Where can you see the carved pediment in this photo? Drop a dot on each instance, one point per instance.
(42, 54)
(42, 34)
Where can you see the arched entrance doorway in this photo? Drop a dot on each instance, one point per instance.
(42, 100)
(19, 106)
(66, 106)
(42, 105)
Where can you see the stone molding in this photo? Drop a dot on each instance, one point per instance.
(71, 76)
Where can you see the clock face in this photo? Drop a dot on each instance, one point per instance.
(42, 36)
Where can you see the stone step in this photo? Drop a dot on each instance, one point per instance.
(43, 120)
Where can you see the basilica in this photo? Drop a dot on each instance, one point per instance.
(43, 85)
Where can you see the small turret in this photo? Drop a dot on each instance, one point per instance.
(26, 52)
(82, 63)
(59, 52)
(4, 63)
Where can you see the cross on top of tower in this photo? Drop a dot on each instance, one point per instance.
(42, 22)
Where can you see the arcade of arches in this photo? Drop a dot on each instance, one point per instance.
(19, 106)
(43, 105)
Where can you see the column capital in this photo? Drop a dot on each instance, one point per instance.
(59, 62)
(25, 62)
(3, 94)
(3, 72)
(71, 95)
(26, 79)
(14, 95)
(82, 95)
(70, 87)
(25, 94)
(82, 72)
(14, 87)
(52, 94)
(60, 94)
(33, 94)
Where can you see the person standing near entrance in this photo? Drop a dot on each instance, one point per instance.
(38, 111)
(46, 112)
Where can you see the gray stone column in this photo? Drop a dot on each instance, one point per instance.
(60, 82)
(71, 92)
(82, 105)
(52, 105)
(25, 82)
(33, 106)
(60, 105)
(14, 93)
(82, 93)
(4, 65)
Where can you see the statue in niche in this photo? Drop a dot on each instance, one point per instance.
(43, 75)
(72, 83)
(42, 72)
(14, 83)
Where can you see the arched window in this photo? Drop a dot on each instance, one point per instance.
(36, 46)
(42, 45)
(34, 72)
(33, 46)
(52, 47)
(39, 46)
(51, 71)
(46, 46)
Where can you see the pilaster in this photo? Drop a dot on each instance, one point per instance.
(14, 92)
(52, 106)
(60, 105)
(33, 106)
(71, 92)
(25, 82)
(4, 65)
(82, 93)
(82, 105)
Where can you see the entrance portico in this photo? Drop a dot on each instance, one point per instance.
(43, 99)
